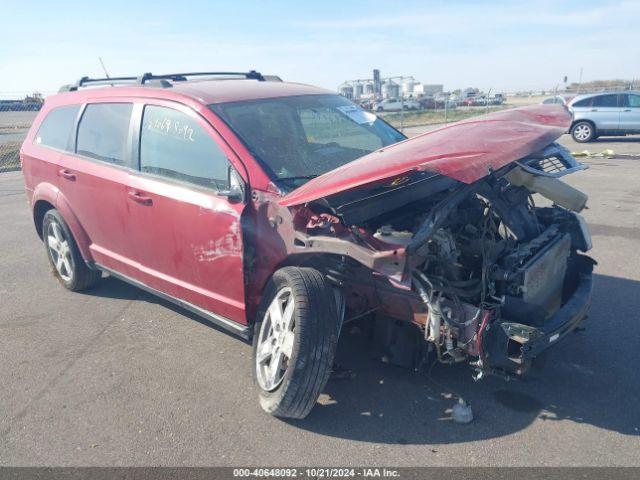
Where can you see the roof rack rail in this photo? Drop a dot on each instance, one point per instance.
(162, 81)
(84, 81)
(182, 77)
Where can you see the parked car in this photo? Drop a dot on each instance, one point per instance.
(604, 114)
(390, 105)
(558, 99)
(282, 212)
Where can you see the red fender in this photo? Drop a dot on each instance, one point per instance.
(53, 195)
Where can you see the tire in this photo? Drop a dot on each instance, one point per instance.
(64, 257)
(379, 109)
(583, 132)
(309, 337)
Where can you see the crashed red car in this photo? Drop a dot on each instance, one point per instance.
(282, 211)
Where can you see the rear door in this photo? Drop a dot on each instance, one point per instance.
(605, 112)
(630, 112)
(187, 233)
(93, 178)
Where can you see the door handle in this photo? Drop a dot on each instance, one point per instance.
(140, 198)
(627, 110)
(63, 172)
(594, 109)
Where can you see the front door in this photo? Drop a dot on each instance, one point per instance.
(186, 231)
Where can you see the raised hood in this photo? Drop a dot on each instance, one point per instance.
(466, 151)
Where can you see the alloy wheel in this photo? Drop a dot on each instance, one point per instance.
(275, 340)
(582, 132)
(60, 251)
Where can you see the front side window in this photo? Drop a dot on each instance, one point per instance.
(633, 100)
(298, 138)
(605, 101)
(175, 146)
(57, 127)
(103, 132)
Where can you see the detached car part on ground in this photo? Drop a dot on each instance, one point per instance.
(435, 242)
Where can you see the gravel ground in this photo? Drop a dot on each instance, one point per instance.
(117, 377)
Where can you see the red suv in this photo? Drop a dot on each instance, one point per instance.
(281, 211)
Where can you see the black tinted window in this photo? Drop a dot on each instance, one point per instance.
(605, 101)
(103, 131)
(57, 127)
(173, 145)
(583, 103)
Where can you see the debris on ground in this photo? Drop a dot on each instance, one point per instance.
(461, 412)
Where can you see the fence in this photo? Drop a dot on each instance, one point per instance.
(16, 115)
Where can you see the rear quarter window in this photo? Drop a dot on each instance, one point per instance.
(103, 132)
(56, 130)
(583, 103)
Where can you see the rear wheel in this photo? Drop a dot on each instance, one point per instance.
(294, 341)
(583, 132)
(66, 261)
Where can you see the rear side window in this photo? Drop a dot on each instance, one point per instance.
(57, 127)
(103, 131)
(605, 101)
(173, 145)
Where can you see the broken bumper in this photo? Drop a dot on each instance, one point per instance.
(511, 346)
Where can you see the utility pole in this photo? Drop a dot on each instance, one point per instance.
(580, 81)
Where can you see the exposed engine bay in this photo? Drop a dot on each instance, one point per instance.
(496, 273)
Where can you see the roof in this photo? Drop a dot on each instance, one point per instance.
(604, 92)
(207, 91)
(222, 91)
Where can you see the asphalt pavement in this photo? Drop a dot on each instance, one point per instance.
(115, 376)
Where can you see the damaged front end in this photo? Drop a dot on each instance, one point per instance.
(486, 275)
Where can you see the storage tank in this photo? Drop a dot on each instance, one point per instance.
(357, 90)
(407, 88)
(346, 90)
(369, 88)
(390, 89)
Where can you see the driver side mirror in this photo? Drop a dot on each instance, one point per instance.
(236, 191)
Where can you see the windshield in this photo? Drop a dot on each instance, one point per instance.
(299, 138)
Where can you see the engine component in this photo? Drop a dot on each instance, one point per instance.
(387, 234)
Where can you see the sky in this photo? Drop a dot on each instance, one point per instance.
(502, 45)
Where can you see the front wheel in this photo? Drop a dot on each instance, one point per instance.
(583, 132)
(294, 341)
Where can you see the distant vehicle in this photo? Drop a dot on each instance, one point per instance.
(558, 100)
(605, 113)
(497, 99)
(439, 103)
(390, 105)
